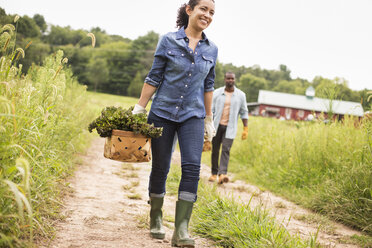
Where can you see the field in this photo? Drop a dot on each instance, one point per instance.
(43, 126)
(324, 167)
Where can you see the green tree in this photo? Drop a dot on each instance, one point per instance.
(35, 54)
(4, 18)
(135, 86)
(143, 49)
(121, 64)
(78, 59)
(27, 27)
(65, 35)
(97, 74)
(321, 85)
(40, 21)
(293, 87)
(363, 96)
(251, 85)
(219, 78)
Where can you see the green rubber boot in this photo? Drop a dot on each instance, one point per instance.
(156, 218)
(181, 235)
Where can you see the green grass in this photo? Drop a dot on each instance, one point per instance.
(43, 116)
(326, 168)
(98, 101)
(231, 224)
(360, 240)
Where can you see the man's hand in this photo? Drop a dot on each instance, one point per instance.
(138, 109)
(209, 130)
(207, 146)
(245, 133)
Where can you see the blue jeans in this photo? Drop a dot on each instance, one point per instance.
(190, 138)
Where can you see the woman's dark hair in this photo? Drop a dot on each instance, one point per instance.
(182, 16)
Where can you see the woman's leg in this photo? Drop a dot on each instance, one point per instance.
(161, 149)
(161, 156)
(190, 139)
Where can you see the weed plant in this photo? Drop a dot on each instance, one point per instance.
(324, 167)
(43, 118)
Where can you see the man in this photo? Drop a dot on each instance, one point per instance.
(228, 103)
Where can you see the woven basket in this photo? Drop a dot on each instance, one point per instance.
(127, 146)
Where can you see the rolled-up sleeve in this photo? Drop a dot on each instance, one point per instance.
(209, 80)
(155, 76)
(243, 108)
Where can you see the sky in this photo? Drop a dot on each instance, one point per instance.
(328, 38)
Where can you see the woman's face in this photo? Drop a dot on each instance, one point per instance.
(202, 14)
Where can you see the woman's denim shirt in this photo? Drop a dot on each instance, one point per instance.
(181, 76)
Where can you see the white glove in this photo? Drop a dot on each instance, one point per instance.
(138, 109)
(209, 130)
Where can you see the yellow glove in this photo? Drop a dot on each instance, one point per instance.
(245, 133)
(207, 146)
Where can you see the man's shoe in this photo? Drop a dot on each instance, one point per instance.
(212, 178)
(222, 178)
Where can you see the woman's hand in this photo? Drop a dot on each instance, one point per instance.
(209, 130)
(138, 109)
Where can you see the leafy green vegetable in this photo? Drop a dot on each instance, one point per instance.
(122, 119)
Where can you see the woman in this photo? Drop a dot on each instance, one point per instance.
(182, 75)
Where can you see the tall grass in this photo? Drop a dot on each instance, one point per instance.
(43, 119)
(231, 224)
(325, 167)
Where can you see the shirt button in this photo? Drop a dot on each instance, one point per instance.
(177, 107)
(196, 52)
(181, 96)
(192, 63)
(190, 75)
(190, 51)
(186, 85)
(182, 54)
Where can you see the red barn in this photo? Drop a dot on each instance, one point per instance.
(300, 107)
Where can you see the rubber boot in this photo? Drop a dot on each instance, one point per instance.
(180, 235)
(156, 218)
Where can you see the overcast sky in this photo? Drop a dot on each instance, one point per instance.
(329, 38)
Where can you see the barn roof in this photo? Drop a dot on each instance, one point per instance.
(309, 103)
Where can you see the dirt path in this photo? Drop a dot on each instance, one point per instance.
(296, 220)
(107, 207)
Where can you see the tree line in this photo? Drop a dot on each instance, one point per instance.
(118, 65)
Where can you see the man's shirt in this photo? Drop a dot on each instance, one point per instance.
(181, 76)
(226, 109)
(238, 107)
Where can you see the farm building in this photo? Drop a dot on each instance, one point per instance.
(301, 107)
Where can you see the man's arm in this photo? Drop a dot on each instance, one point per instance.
(245, 122)
(244, 116)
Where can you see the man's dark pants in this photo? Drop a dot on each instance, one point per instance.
(217, 141)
